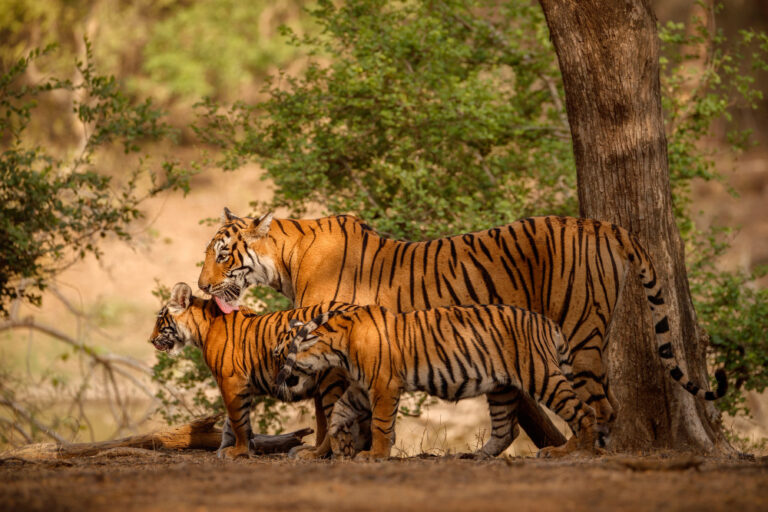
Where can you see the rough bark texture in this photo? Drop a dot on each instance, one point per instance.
(609, 58)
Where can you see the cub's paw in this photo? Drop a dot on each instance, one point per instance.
(552, 452)
(305, 452)
(233, 452)
(369, 456)
(343, 444)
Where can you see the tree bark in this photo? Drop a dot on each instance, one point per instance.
(608, 53)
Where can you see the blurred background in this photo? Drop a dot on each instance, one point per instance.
(423, 118)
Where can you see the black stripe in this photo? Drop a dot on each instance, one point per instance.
(665, 351)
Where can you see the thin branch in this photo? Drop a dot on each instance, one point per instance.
(105, 360)
(24, 414)
(15, 426)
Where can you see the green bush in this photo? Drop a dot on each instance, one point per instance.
(704, 76)
(428, 119)
(54, 210)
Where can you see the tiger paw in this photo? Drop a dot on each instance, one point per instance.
(343, 444)
(570, 449)
(478, 455)
(370, 456)
(553, 452)
(233, 452)
(305, 452)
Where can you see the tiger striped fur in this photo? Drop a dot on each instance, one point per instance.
(238, 348)
(568, 269)
(451, 352)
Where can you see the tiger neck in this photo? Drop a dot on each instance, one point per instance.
(337, 249)
(287, 236)
(209, 312)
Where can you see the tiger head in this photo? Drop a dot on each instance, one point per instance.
(293, 380)
(181, 321)
(240, 255)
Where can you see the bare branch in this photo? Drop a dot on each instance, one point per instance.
(15, 426)
(26, 416)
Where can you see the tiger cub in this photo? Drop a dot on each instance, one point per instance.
(451, 352)
(238, 348)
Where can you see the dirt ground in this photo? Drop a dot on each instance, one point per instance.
(132, 479)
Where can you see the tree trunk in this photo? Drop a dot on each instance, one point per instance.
(609, 58)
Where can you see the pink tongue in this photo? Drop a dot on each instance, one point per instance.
(224, 307)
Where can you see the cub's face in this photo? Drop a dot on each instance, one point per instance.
(172, 332)
(236, 258)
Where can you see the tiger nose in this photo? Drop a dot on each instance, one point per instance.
(203, 285)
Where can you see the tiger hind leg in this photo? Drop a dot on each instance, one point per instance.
(590, 382)
(227, 435)
(502, 405)
(580, 417)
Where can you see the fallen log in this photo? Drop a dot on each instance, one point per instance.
(200, 433)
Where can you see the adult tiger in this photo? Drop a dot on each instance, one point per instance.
(451, 352)
(568, 269)
(238, 348)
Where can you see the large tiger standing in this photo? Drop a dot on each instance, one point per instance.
(570, 270)
(238, 347)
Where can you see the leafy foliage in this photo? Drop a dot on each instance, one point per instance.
(215, 48)
(428, 120)
(54, 210)
(704, 78)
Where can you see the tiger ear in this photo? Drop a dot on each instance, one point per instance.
(260, 227)
(294, 323)
(307, 343)
(181, 298)
(227, 216)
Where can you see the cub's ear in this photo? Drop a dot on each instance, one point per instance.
(227, 216)
(294, 323)
(307, 343)
(181, 298)
(260, 227)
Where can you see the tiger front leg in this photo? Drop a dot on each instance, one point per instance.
(237, 400)
(329, 390)
(384, 404)
(350, 413)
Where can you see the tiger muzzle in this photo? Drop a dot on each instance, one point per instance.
(163, 343)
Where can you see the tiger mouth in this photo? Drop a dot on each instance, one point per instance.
(227, 298)
(163, 343)
(225, 306)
